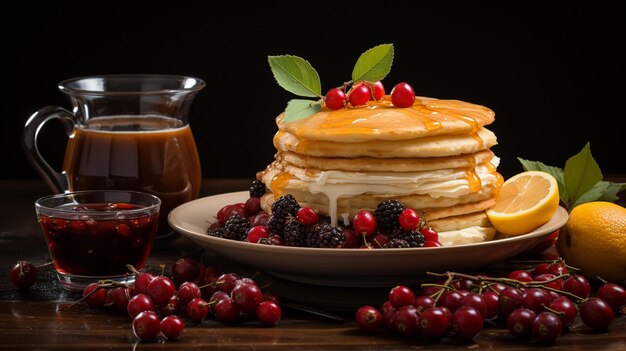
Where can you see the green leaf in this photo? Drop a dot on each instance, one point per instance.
(556, 172)
(296, 75)
(610, 194)
(581, 173)
(374, 64)
(592, 194)
(299, 108)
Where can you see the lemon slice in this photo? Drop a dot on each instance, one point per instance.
(525, 202)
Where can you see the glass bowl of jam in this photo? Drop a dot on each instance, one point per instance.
(93, 235)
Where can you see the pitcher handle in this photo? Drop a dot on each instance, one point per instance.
(57, 181)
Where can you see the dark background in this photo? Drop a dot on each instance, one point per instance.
(553, 75)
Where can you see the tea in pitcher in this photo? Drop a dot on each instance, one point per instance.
(147, 153)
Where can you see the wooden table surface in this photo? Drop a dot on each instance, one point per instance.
(44, 318)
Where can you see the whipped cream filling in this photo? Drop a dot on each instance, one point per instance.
(439, 183)
(469, 235)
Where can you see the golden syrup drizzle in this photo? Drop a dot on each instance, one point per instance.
(475, 184)
(423, 114)
(279, 182)
(498, 183)
(490, 167)
(477, 138)
(302, 147)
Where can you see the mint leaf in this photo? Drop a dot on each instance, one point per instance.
(610, 194)
(581, 173)
(556, 172)
(296, 75)
(593, 194)
(374, 64)
(299, 108)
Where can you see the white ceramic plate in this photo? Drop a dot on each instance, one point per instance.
(347, 267)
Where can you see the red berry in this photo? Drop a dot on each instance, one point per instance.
(430, 234)
(577, 285)
(401, 296)
(269, 312)
(546, 327)
(225, 212)
(257, 232)
(520, 275)
(197, 309)
(23, 275)
(94, 295)
(352, 240)
(146, 325)
(423, 302)
(335, 98)
(434, 322)
(172, 326)
(160, 289)
(402, 95)
(520, 322)
(271, 297)
(462, 284)
(187, 292)
(247, 297)
(307, 215)
(567, 309)
(387, 311)
(379, 90)
(551, 280)
(185, 270)
(477, 301)
(359, 95)
(215, 298)
(173, 306)
(118, 298)
(450, 299)
(596, 313)
(368, 319)
(141, 283)
(432, 243)
(510, 299)
(491, 300)
(252, 206)
(409, 219)
(379, 240)
(534, 299)
(364, 223)
(405, 321)
(226, 310)
(226, 282)
(612, 294)
(467, 322)
(138, 304)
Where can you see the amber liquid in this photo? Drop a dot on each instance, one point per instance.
(152, 154)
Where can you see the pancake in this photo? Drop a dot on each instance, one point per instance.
(382, 121)
(434, 146)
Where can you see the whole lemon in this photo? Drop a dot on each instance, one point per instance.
(594, 240)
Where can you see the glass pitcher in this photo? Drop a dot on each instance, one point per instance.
(125, 132)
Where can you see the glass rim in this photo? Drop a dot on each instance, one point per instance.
(155, 202)
(66, 87)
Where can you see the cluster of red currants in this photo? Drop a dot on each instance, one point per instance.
(159, 304)
(402, 95)
(534, 305)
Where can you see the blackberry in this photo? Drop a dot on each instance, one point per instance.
(236, 227)
(284, 206)
(396, 244)
(326, 236)
(257, 189)
(294, 233)
(276, 225)
(217, 232)
(413, 238)
(387, 214)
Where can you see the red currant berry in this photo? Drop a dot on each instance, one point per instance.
(401, 296)
(138, 304)
(450, 299)
(379, 90)
(467, 322)
(409, 219)
(520, 322)
(172, 306)
(172, 327)
(256, 233)
(185, 270)
(379, 240)
(335, 98)
(520, 275)
(434, 322)
(550, 280)
(423, 302)
(369, 319)
(364, 223)
(187, 292)
(226, 310)
(510, 299)
(197, 309)
(491, 300)
(269, 312)
(387, 311)
(23, 275)
(118, 298)
(227, 282)
(402, 95)
(546, 327)
(146, 325)
(359, 95)
(247, 297)
(160, 289)
(307, 215)
(215, 298)
(94, 295)
(534, 299)
(566, 308)
(352, 240)
(405, 321)
(614, 295)
(253, 206)
(462, 284)
(596, 313)
(225, 212)
(430, 234)
(141, 283)
(477, 301)
(577, 285)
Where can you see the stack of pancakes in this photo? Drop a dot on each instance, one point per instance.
(434, 157)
